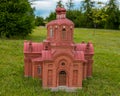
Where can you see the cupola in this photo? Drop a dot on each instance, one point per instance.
(60, 13)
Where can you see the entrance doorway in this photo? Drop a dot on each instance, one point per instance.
(62, 78)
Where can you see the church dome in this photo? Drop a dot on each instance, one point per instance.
(60, 18)
(61, 29)
(60, 22)
(63, 9)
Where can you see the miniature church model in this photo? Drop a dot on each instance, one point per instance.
(58, 61)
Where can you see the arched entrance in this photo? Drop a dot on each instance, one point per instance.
(62, 78)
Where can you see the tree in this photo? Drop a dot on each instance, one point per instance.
(70, 4)
(52, 16)
(113, 13)
(39, 21)
(98, 16)
(75, 16)
(59, 3)
(87, 6)
(17, 18)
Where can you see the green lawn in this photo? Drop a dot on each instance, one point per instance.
(106, 68)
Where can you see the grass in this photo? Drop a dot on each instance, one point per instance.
(106, 68)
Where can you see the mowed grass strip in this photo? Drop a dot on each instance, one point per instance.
(106, 67)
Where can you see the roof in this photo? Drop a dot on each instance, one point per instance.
(61, 22)
(79, 55)
(46, 55)
(86, 48)
(33, 47)
(81, 47)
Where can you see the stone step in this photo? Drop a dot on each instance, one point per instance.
(65, 88)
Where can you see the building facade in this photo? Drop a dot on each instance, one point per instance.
(58, 61)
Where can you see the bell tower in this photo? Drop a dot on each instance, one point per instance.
(61, 29)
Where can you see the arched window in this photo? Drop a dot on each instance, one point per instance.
(39, 69)
(46, 47)
(63, 33)
(62, 78)
(51, 33)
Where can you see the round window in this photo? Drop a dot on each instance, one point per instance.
(62, 63)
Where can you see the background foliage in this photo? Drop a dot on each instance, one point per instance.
(16, 18)
(92, 14)
(39, 21)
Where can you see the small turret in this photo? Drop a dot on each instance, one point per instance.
(60, 12)
(30, 46)
(89, 48)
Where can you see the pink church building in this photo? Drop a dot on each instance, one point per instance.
(58, 61)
